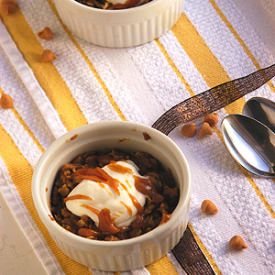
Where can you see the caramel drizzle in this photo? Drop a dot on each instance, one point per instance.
(106, 223)
(98, 175)
(92, 209)
(143, 185)
(133, 199)
(127, 207)
(119, 168)
(77, 197)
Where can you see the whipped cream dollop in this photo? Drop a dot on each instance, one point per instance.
(118, 194)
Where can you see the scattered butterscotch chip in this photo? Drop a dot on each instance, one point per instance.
(212, 119)
(6, 101)
(47, 56)
(46, 34)
(189, 130)
(8, 7)
(237, 243)
(205, 130)
(209, 208)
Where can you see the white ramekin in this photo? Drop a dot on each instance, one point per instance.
(120, 28)
(118, 255)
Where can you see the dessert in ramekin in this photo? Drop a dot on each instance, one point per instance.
(125, 254)
(122, 27)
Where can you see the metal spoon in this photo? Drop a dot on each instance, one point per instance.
(250, 143)
(261, 109)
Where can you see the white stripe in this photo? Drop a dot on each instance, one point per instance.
(11, 84)
(257, 34)
(166, 86)
(20, 137)
(121, 94)
(35, 91)
(83, 85)
(27, 225)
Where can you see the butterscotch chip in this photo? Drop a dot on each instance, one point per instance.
(6, 101)
(205, 130)
(8, 7)
(46, 34)
(47, 56)
(209, 208)
(212, 119)
(237, 243)
(189, 130)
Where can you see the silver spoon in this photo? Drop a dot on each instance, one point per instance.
(250, 143)
(261, 109)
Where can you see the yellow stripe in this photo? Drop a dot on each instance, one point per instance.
(25, 126)
(89, 63)
(206, 64)
(204, 250)
(202, 57)
(21, 174)
(239, 39)
(46, 73)
(162, 267)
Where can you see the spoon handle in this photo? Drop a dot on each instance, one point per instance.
(212, 100)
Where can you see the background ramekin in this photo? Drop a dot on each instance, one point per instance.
(120, 28)
(118, 255)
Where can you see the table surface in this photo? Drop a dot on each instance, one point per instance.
(16, 253)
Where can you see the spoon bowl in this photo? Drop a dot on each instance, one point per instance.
(250, 143)
(261, 109)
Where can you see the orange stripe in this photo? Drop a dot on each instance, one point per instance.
(89, 63)
(21, 174)
(46, 73)
(239, 39)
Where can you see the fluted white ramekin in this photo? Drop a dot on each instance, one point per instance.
(113, 255)
(120, 28)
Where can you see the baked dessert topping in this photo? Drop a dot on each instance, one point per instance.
(113, 194)
(109, 188)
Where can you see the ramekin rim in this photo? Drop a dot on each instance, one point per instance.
(121, 11)
(74, 237)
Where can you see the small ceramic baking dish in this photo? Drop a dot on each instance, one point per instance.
(124, 254)
(120, 28)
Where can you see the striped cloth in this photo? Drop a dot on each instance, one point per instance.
(212, 43)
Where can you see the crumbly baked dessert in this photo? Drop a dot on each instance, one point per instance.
(113, 195)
